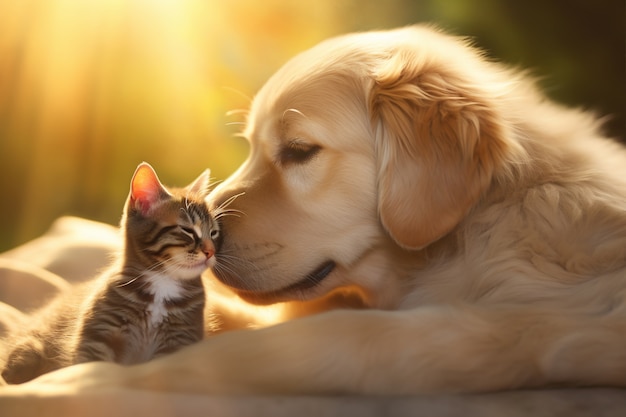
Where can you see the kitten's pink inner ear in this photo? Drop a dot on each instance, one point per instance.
(145, 188)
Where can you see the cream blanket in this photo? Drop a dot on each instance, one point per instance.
(34, 272)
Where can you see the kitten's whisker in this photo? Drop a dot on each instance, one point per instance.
(145, 272)
(226, 260)
(213, 182)
(229, 212)
(229, 201)
(171, 269)
(130, 281)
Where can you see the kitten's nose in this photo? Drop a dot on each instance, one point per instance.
(207, 248)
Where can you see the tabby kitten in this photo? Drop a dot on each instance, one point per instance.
(149, 303)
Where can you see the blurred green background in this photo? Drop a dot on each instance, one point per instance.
(88, 89)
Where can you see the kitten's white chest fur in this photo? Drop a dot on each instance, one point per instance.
(163, 288)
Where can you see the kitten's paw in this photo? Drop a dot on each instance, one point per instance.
(23, 364)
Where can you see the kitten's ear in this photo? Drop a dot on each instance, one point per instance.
(200, 185)
(145, 188)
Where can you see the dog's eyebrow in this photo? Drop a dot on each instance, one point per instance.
(296, 111)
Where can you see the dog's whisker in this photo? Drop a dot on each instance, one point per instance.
(234, 112)
(239, 93)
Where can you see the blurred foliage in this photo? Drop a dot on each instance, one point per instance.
(88, 89)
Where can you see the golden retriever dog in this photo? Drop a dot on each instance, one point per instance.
(479, 227)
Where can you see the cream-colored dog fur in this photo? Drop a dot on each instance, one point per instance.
(482, 227)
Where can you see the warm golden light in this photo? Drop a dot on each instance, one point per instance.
(90, 88)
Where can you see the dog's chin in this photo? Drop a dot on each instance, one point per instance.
(308, 287)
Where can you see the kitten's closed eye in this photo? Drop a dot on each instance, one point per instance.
(214, 234)
(191, 233)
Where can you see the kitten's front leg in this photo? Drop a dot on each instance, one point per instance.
(176, 341)
(99, 342)
(180, 333)
(91, 351)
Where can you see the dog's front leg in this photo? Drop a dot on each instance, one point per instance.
(388, 353)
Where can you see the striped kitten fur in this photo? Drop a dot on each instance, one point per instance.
(149, 303)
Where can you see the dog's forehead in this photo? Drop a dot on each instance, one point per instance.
(308, 107)
(325, 87)
(333, 71)
(335, 120)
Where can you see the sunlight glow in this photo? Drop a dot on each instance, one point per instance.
(90, 88)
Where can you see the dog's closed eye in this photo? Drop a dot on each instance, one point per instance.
(297, 152)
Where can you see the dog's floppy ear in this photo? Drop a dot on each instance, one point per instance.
(438, 142)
